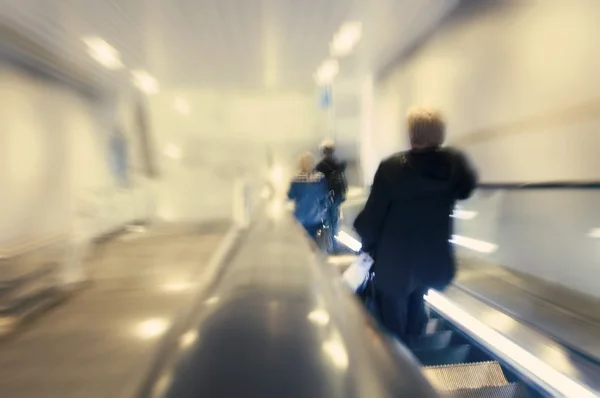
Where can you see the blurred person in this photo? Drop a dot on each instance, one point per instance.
(334, 171)
(406, 223)
(309, 191)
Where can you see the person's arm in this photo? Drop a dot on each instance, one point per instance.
(468, 178)
(321, 167)
(369, 223)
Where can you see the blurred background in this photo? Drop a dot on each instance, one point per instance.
(127, 124)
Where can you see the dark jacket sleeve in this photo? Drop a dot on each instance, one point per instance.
(467, 177)
(369, 223)
(322, 168)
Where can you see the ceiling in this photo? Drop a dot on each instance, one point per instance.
(254, 44)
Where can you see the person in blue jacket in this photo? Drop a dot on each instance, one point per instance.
(310, 193)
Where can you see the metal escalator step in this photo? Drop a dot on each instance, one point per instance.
(513, 390)
(434, 325)
(433, 341)
(447, 356)
(466, 376)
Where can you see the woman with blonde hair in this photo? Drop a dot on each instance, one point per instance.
(309, 191)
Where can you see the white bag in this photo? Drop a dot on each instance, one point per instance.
(357, 272)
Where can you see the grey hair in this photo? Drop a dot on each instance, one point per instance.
(426, 127)
(327, 146)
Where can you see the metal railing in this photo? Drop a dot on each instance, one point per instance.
(274, 320)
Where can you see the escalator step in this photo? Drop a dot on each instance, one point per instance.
(466, 376)
(433, 341)
(455, 354)
(513, 390)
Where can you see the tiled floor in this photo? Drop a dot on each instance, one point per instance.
(99, 344)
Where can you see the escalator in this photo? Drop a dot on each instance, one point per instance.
(459, 369)
(456, 365)
(497, 333)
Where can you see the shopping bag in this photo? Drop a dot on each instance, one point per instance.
(358, 271)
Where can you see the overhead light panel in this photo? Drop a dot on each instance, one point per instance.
(144, 81)
(104, 53)
(181, 106)
(173, 151)
(327, 72)
(344, 41)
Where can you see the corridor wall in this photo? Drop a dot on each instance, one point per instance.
(518, 82)
(55, 154)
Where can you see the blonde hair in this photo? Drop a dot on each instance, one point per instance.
(426, 127)
(307, 162)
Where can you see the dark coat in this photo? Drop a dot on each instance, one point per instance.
(330, 165)
(406, 221)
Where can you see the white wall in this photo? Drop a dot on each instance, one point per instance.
(227, 135)
(55, 175)
(519, 84)
(34, 173)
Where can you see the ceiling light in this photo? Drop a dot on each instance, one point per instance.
(144, 81)
(173, 151)
(181, 106)
(327, 72)
(344, 41)
(104, 53)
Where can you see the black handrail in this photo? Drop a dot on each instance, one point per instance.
(278, 322)
(542, 185)
(537, 185)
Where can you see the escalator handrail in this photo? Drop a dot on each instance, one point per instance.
(277, 321)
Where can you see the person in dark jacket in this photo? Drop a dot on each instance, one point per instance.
(309, 191)
(334, 171)
(406, 223)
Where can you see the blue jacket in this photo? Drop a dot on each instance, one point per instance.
(310, 193)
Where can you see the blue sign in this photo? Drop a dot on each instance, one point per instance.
(119, 157)
(325, 97)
